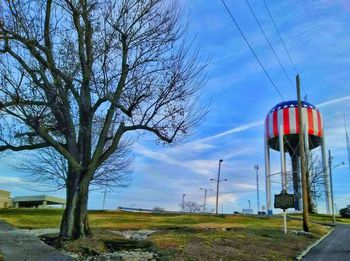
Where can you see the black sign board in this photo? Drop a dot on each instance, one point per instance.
(284, 200)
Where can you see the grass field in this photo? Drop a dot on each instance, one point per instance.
(189, 237)
(323, 218)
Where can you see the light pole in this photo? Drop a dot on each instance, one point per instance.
(218, 180)
(256, 167)
(183, 202)
(331, 180)
(205, 197)
(104, 196)
(249, 203)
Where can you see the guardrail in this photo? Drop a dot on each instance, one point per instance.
(145, 210)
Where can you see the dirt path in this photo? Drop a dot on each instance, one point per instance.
(16, 246)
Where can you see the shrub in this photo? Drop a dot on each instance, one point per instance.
(345, 212)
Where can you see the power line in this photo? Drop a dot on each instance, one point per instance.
(280, 37)
(251, 49)
(268, 41)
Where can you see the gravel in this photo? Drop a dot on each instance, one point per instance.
(136, 234)
(40, 231)
(125, 255)
(134, 255)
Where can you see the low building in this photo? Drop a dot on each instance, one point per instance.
(247, 211)
(41, 201)
(5, 199)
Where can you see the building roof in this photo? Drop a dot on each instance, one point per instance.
(50, 200)
(4, 193)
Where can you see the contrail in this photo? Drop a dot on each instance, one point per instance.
(334, 101)
(234, 130)
(261, 122)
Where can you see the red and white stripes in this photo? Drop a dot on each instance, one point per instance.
(288, 117)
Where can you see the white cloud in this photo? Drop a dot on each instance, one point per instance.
(205, 167)
(224, 198)
(11, 181)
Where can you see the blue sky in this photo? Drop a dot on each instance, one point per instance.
(317, 35)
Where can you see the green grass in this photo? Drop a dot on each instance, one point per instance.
(50, 218)
(32, 218)
(189, 237)
(323, 218)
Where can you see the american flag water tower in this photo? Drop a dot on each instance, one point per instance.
(282, 124)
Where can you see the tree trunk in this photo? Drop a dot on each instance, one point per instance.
(296, 180)
(309, 195)
(74, 222)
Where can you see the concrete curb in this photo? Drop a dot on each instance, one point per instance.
(300, 257)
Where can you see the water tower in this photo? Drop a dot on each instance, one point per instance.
(281, 124)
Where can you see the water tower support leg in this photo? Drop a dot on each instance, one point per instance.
(283, 160)
(283, 172)
(306, 139)
(267, 178)
(325, 175)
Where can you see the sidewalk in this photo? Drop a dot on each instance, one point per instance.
(17, 246)
(334, 247)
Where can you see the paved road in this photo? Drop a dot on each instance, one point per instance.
(16, 246)
(334, 247)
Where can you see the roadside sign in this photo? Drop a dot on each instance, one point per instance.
(284, 200)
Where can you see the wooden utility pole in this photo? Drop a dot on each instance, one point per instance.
(302, 161)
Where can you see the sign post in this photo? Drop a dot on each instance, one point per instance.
(284, 201)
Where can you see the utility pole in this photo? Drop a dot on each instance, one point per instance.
(183, 202)
(256, 167)
(302, 161)
(248, 204)
(331, 182)
(217, 186)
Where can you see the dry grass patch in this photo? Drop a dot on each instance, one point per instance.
(182, 237)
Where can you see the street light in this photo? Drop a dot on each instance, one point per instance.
(104, 196)
(331, 179)
(205, 197)
(183, 201)
(218, 180)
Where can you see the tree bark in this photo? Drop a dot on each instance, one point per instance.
(310, 200)
(296, 180)
(74, 222)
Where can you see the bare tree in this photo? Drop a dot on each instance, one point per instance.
(78, 75)
(157, 209)
(191, 207)
(315, 181)
(49, 168)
